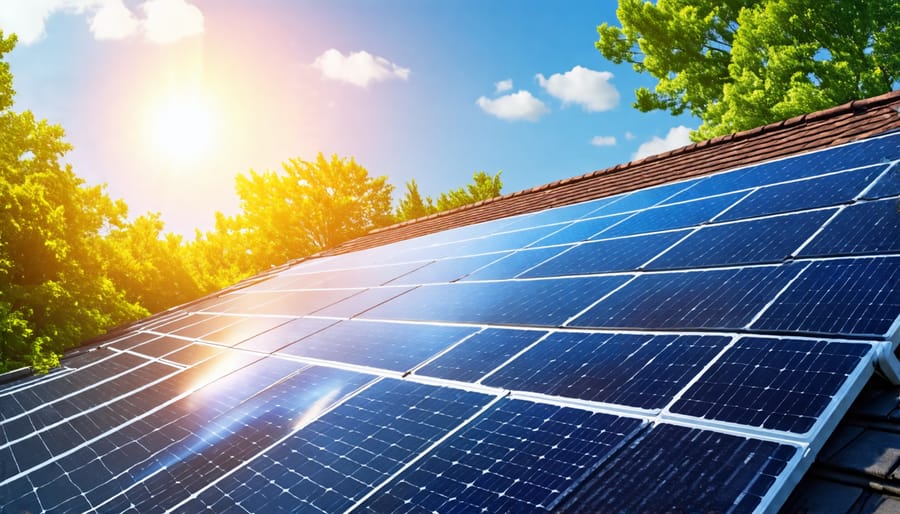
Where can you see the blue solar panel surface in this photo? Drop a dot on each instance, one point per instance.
(685, 347)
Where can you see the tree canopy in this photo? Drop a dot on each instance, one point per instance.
(483, 187)
(739, 64)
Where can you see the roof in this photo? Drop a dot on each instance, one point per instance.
(417, 373)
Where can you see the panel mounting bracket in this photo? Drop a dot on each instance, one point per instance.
(887, 363)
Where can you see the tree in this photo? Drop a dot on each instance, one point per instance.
(412, 205)
(310, 206)
(56, 284)
(483, 187)
(739, 64)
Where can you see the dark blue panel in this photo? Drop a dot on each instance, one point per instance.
(623, 254)
(724, 299)
(447, 270)
(515, 263)
(286, 334)
(518, 457)
(672, 216)
(244, 329)
(131, 340)
(645, 198)
(361, 302)
(527, 302)
(873, 151)
(55, 387)
(580, 231)
(334, 461)
(480, 354)
(161, 460)
(393, 346)
(778, 384)
(97, 411)
(368, 276)
(562, 214)
(637, 370)
(294, 303)
(756, 241)
(161, 346)
(868, 227)
(805, 194)
(887, 185)
(73, 404)
(203, 325)
(848, 296)
(504, 241)
(679, 469)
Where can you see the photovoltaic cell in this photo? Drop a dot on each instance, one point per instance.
(515, 263)
(683, 469)
(362, 301)
(160, 346)
(887, 185)
(517, 457)
(480, 354)
(622, 254)
(644, 198)
(368, 276)
(286, 334)
(562, 214)
(580, 230)
(867, 227)
(244, 329)
(294, 303)
(805, 194)
(764, 240)
(532, 302)
(243, 425)
(672, 216)
(711, 299)
(847, 296)
(46, 391)
(636, 370)
(334, 461)
(393, 346)
(447, 270)
(777, 384)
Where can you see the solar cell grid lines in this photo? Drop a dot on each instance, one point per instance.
(685, 347)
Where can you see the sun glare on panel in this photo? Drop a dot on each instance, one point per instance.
(182, 128)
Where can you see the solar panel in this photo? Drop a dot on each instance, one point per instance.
(759, 241)
(627, 369)
(684, 347)
(805, 194)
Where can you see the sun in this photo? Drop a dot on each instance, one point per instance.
(182, 128)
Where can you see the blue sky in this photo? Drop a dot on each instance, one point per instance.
(411, 89)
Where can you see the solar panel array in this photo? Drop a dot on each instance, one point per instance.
(683, 347)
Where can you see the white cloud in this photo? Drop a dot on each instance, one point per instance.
(358, 68)
(516, 106)
(113, 21)
(604, 141)
(677, 137)
(588, 88)
(503, 86)
(165, 21)
(629, 135)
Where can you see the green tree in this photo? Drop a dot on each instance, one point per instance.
(56, 286)
(149, 266)
(412, 205)
(309, 206)
(739, 64)
(483, 187)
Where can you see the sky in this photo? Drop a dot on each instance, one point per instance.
(166, 101)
